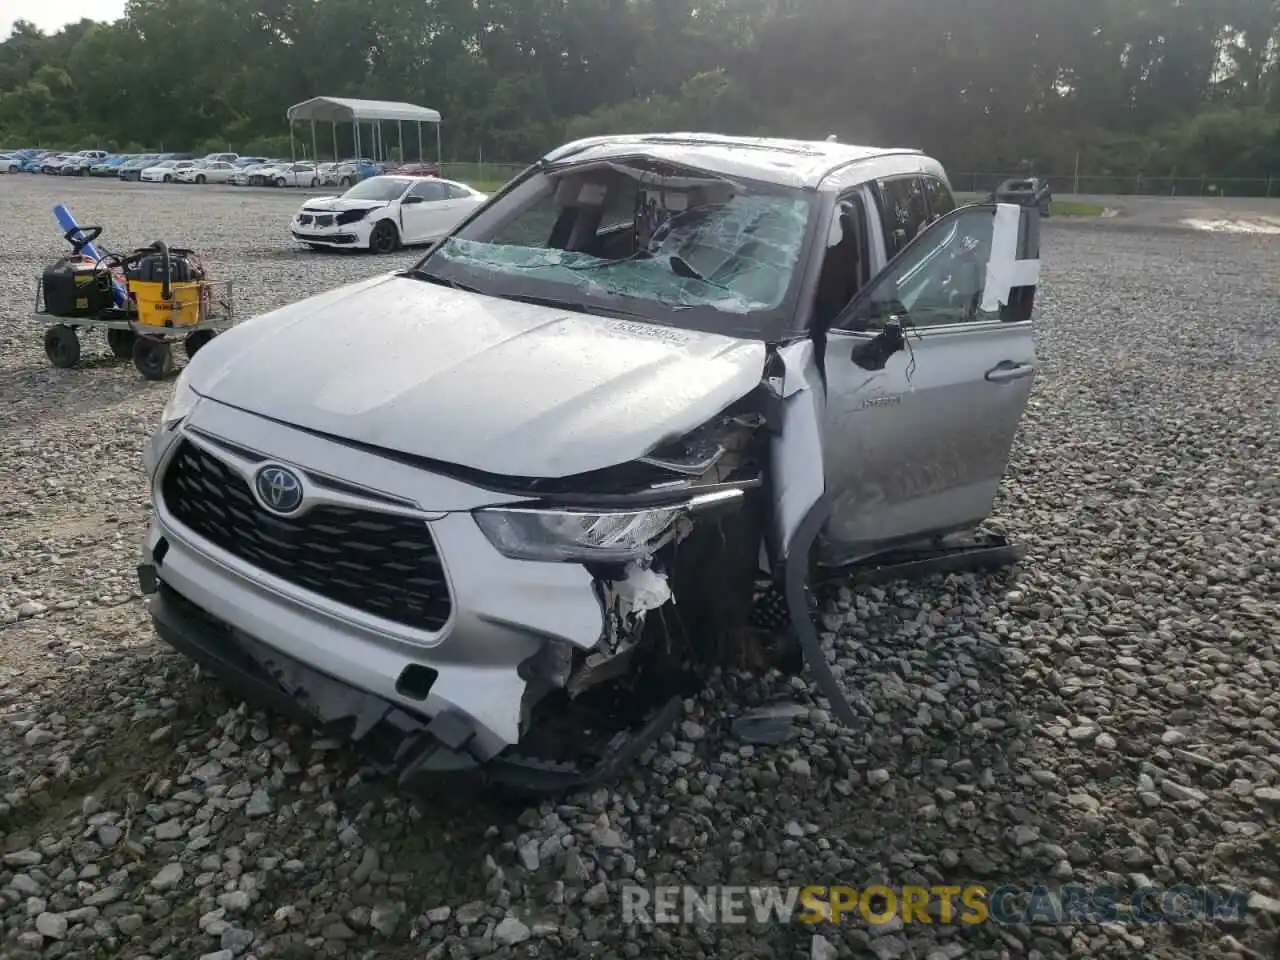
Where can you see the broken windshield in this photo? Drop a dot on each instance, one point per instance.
(666, 244)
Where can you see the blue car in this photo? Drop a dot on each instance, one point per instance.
(107, 168)
(34, 162)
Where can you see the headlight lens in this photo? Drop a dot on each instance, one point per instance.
(576, 535)
(351, 216)
(181, 403)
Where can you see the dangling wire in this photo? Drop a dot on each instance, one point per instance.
(909, 328)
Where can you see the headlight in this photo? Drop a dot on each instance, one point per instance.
(181, 403)
(350, 216)
(581, 535)
(594, 536)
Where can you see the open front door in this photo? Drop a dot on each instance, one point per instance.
(928, 373)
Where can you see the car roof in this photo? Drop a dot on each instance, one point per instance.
(801, 163)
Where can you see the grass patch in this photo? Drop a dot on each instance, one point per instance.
(1075, 208)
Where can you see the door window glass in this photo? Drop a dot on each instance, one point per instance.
(939, 195)
(458, 193)
(904, 209)
(429, 191)
(938, 281)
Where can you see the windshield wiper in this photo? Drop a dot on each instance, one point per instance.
(420, 274)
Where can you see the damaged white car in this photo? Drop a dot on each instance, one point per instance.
(502, 510)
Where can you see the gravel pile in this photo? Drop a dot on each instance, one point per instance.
(1105, 714)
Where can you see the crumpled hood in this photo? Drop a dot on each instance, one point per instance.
(334, 204)
(495, 385)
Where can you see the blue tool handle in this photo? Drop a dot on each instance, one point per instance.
(69, 225)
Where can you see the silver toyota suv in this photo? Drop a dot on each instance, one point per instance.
(503, 510)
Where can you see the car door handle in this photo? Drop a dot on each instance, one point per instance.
(1007, 371)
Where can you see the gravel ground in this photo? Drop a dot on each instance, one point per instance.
(1106, 713)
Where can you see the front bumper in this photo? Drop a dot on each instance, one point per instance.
(338, 235)
(453, 698)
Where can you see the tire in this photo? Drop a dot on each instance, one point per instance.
(279, 181)
(344, 182)
(191, 346)
(385, 238)
(121, 343)
(62, 346)
(1046, 208)
(168, 179)
(153, 358)
(200, 179)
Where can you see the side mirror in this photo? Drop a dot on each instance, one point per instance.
(873, 354)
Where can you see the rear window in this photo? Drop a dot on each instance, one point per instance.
(1020, 185)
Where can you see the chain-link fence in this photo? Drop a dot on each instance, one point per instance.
(1204, 185)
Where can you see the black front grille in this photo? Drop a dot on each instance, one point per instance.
(380, 563)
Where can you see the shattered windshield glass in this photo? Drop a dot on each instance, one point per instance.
(665, 244)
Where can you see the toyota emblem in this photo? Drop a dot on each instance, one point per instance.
(279, 489)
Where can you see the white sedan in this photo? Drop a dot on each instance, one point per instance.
(290, 175)
(166, 171)
(384, 213)
(206, 171)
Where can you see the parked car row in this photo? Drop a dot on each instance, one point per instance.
(228, 168)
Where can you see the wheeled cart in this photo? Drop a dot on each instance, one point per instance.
(144, 302)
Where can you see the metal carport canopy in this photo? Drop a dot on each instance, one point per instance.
(335, 110)
(340, 109)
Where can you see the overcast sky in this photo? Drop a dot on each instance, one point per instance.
(49, 15)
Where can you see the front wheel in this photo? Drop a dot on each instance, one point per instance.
(200, 178)
(345, 182)
(385, 238)
(279, 181)
(1046, 208)
(62, 346)
(168, 179)
(196, 340)
(153, 358)
(121, 343)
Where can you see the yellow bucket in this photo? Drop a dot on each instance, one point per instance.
(182, 309)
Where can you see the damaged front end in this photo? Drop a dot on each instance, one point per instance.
(674, 607)
(601, 605)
